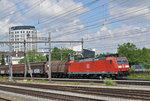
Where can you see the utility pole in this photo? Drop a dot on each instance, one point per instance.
(61, 56)
(50, 77)
(25, 66)
(82, 46)
(9, 60)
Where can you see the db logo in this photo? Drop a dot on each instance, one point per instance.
(88, 66)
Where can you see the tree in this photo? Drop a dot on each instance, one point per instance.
(145, 55)
(33, 56)
(133, 54)
(106, 55)
(56, 53)
(130, 51)
(3, 60)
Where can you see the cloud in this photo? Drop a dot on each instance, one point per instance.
(134, 11)
(108, 40)
(33, 11)
(132, 17)
(55, 16)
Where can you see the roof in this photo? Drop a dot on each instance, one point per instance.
(22, 27)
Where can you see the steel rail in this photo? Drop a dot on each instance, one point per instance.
(124, 82)
(110, 92)
(46, 95)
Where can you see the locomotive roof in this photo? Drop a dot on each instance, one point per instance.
(91, 59)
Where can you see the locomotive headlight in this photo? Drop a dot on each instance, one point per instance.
(127, 66)
(119, 66)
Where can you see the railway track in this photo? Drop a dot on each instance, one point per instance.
(125, 82)
(2, 99)
(42, 94)
(95, 91)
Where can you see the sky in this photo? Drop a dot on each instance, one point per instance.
(103, 24)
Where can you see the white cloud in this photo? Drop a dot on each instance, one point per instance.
(134, 11)
(135, 29)
(50, 15)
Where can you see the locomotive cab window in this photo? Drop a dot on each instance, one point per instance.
(110, 61)
(120, 61)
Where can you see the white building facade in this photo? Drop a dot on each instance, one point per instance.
(23, 33)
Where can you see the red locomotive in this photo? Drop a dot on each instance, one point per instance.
(112, 67)
(102, 67)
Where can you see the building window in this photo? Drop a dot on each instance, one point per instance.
(16, 35)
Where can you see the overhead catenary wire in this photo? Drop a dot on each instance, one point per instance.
(130, 32)
(113, 18)
(70, 16)
(6, 10)
(138, 43)
(96, 25)
(36, 3)
(69, 12)
(26, 11)
(73, 30)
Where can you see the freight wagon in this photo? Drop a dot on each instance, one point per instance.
(113, 67)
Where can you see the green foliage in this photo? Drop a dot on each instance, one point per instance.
(147, 66)
(129, 50)
(132, 70)
(140, 75)
(133, 54)
(109, 82)
(2, 79)
(33, 56)
(61, 53)
(3, 60)
(106, 55)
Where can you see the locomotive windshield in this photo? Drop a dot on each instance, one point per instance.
(120, 61)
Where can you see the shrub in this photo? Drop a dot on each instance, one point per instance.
(109, 82)
(147, 66)
(132, 70)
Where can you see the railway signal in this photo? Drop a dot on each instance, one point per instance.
(9, 61)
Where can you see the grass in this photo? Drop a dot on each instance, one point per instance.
(41, 81)
(77, 83)
(109, 82)
(3, 79)
(141, 75)
(61, 83)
